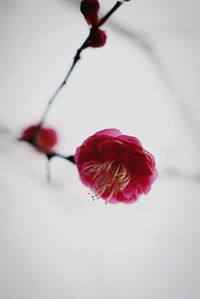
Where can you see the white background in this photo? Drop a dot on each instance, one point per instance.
(55, 242)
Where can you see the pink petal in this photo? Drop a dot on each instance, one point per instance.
(109, 132)
(130, 139)
(111, 149)
(88, 150)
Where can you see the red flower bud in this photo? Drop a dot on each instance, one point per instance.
(92, 20)
(40, 137)
(97, 38)
(90, 9)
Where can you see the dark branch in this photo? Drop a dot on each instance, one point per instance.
(76, 59)
(52, 99)
(47, 153)
(107, 16)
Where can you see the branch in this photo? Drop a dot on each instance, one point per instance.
(77, 58)
(52, 99)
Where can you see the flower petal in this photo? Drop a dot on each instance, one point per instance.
(109, 132)
(111, 149)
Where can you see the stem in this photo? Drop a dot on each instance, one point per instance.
(48, 171)
(52, 99)
(76, 59)
(48, 153)
(69, 158)
(105, 18)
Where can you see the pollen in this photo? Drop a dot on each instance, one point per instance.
(110, 177)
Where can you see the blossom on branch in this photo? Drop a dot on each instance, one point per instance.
(90, 9)
(42, 138)
(115, 166)
(97, 38)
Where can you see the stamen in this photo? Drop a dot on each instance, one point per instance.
(110, 177)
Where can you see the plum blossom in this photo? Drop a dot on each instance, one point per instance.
(115, 166)
(42, 138)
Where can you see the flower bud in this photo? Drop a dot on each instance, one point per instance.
(41, 138)
(97, 38)
(90, 9)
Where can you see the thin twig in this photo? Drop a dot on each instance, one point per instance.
(107, 16)
(49, 154)
(48, 171)
(76, 59)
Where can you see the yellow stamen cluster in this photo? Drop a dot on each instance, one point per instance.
(110, 177)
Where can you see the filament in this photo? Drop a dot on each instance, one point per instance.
(108, 177)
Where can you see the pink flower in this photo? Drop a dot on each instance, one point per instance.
(90, 9)
(97, 38)
(115, 166)
(40, 137)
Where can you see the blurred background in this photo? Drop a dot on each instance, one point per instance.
(55, 241)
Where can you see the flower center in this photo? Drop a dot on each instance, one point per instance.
(110, 177)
